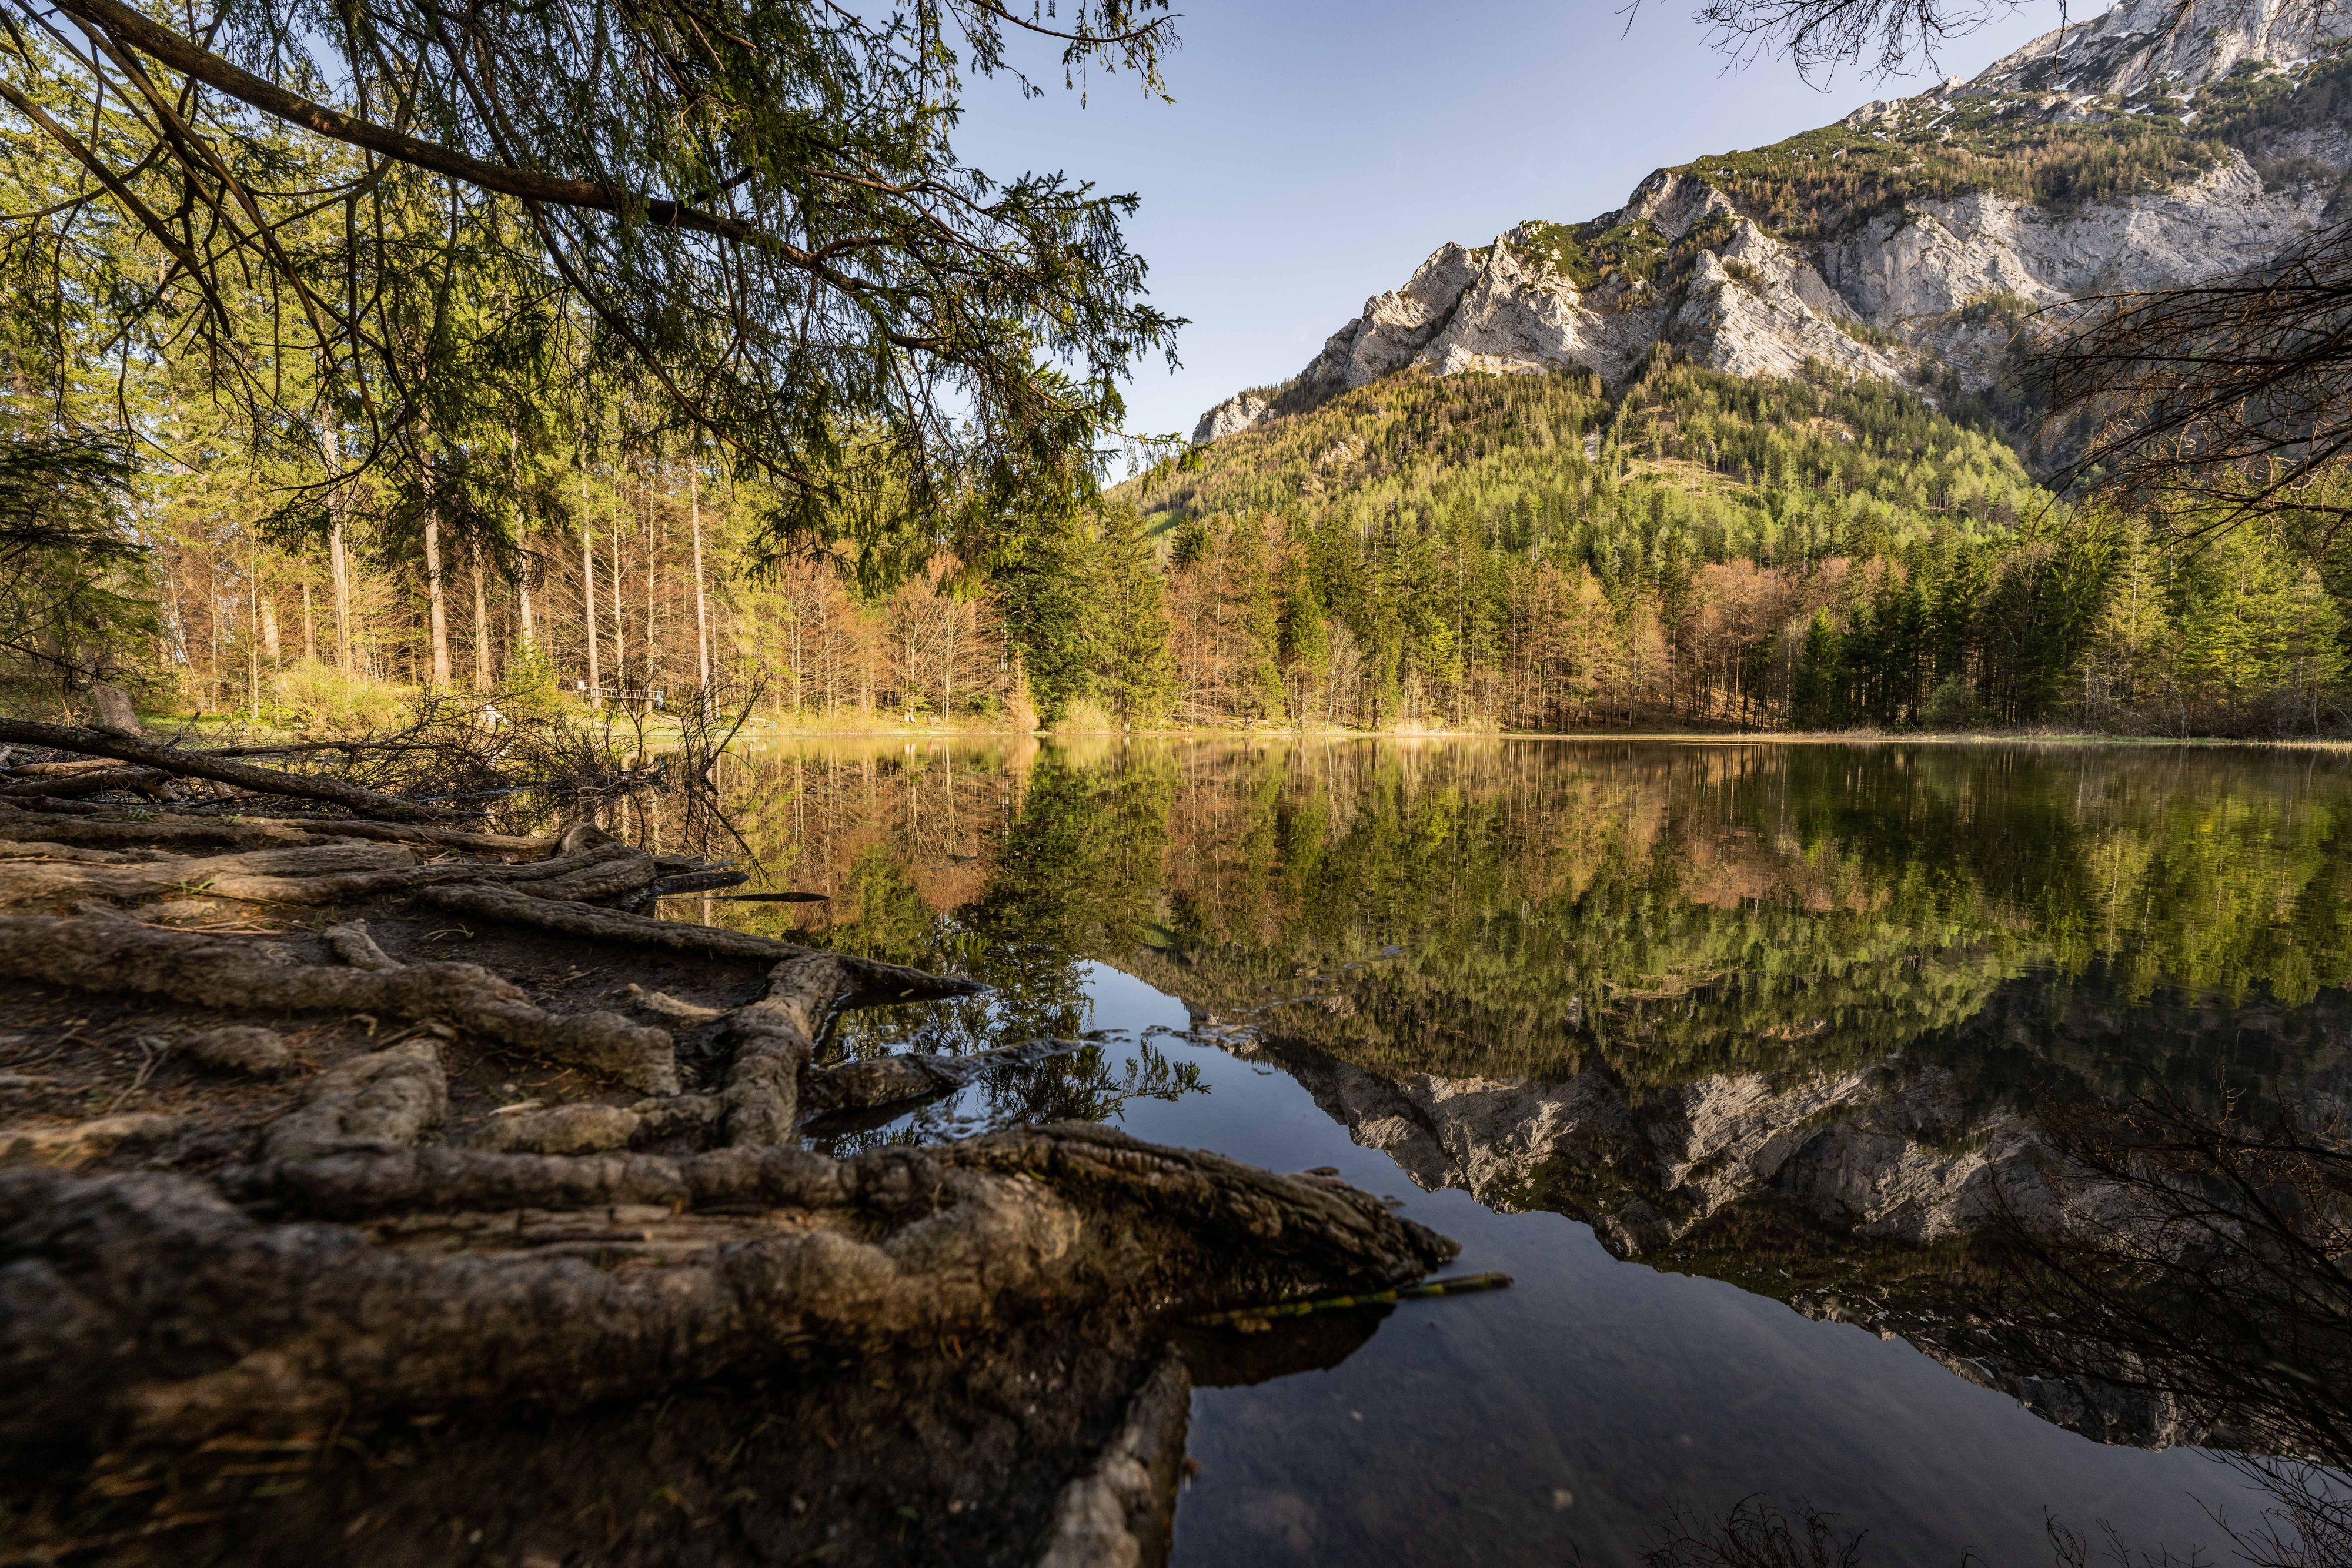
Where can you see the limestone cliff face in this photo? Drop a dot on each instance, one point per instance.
(1890, 294)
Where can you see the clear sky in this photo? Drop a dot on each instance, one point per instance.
(1317, 151)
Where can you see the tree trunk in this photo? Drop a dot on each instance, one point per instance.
(481, 631)
(620, 601)
(339, 569)
(588, 586)
(436, 603)
(701, 608)
(309, 632)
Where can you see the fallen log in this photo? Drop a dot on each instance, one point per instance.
(873, 982)
(146, 781)
(150, 1308)
(124, 747)
(115, 952)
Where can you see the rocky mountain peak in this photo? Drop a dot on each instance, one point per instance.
(1899, 244)
(2143, 46)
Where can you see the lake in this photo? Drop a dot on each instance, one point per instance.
(1728, 1053)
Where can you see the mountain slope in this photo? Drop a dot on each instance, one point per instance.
(1899, 242)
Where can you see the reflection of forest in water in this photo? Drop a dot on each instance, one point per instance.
(1792, 1016)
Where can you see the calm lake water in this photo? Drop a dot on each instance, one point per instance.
(1710, 1046)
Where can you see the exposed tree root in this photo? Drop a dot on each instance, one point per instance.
(255, 873)
(145, 1307)
(100, 952)
(195, 765)
(774, 1037)
(161, 832)
(872, 982)
(371, 1105)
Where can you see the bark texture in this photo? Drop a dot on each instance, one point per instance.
(149, 1307)
(196, 765)
(872, 981)
(115, 952)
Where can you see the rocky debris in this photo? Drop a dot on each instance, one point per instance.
(240, 1047)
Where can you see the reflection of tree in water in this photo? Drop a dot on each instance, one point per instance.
(2028, 933)
(1081, 1085)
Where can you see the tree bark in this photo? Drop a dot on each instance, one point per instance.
(701, 606)
(588, 586)
(437, 606)
(196, 765)
(150, 1307)
(481, 630)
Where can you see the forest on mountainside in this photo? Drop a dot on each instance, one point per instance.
(1811, 553)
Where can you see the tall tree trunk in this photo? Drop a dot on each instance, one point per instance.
(309, 633)
(339, 569)
(522, 604)
(701, 608)
(588, 582)
(481, 630)
(653, 557)
(620, 604)
(436, 599)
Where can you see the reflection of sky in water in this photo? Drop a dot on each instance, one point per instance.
(1569, 1414)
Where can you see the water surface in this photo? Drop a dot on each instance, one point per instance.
(1710, 1046)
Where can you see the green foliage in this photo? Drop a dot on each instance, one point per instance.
(1824, 181)
(73, 577)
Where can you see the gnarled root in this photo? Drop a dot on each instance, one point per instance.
(106, 952)
(148, 1307)
(872, 982)
(254, 873)
(774, 1037)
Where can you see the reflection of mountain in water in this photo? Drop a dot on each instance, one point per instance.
(1852, 1192)
(1786, 1016)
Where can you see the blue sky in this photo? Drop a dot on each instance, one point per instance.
(1317, 151)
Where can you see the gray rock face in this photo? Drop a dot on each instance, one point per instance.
(2144, 44)
(1886, 297)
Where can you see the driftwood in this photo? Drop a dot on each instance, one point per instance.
(196, 765)
(150, 1307)
(111, 952)
(872, 982)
